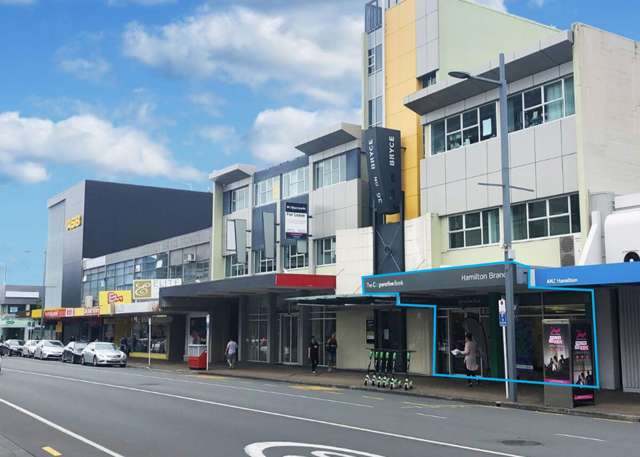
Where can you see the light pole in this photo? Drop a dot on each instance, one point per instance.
(510, 357)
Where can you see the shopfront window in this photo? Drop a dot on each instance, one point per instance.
(160, 329)
(198, 330)
(258, 332)
(323, 326)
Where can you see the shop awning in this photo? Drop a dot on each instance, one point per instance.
(228, 290)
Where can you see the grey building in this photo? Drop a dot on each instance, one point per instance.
(16, 304)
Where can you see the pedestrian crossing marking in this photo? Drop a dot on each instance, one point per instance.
(51, 451)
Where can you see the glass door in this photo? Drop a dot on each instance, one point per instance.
(289, 338)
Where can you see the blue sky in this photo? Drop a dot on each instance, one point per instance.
(161, 92)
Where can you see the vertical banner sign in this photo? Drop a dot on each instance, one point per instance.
(582, 359)
(269, 231)
(556, 350)
(296, 221)
(241, 240)
(385, 176)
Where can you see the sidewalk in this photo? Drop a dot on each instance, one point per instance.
(609, 404)
(8, 449)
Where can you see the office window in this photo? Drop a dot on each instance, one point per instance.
(262, 264)
(474, 229)
(550, 217)
(264, 191)
(463, 129)
(541, 104)
(295, 182)
(374, 59)
(294, 259)
(326, 251)
(374, 107)
(428, 80)
(239, 199)
(330, 171)
(232, 268)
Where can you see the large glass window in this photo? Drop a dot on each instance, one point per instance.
(293, 258)
(550, 217)
(374, 59)
(258, 332)
(295, 182)
(330, 171)
(239, 199)
(463, 129)
(323, 326)
(326, 251)
(544, 103)
(232, 268)
(474, 229)
(262, 264)
(264, 191)
(374, 109)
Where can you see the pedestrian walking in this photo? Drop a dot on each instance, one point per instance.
(331, 347)
(124, 345)
(470, 357)
(313, 352)
(231, 353)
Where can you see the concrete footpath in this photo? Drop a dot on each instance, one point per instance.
(9, 449)
(609, 404)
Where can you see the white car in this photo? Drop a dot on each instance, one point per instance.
(48, 349)
(98, 353)
(29, 348)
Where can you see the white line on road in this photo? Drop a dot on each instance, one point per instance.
(61, 429)
(431, 415)
(578, 437)
(272, 413)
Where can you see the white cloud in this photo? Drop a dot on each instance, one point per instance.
(223, 136)
(84, 68)
(81, 57)
(276, 132)
(29, 144)
(537, 3)
(495, 4)
(208, 101)
(314, 43)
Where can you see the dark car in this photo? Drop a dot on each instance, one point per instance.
(73, 352)
(15, 347)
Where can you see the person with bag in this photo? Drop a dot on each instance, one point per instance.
(331, 347)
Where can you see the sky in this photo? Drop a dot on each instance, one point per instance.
(162, 92)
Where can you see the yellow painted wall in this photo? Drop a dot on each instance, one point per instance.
(400, 81)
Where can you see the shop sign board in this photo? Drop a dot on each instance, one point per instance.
(383, 147)
(371, 331)
(296, 220)
(74, 222)
(556, 350)
(113, 297)
(149, 289)
(502, 312)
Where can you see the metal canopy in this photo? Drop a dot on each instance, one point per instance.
(341, 134)
(549, 53)
(232, 173)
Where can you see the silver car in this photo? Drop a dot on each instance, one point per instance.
(29, 348)
(48, 349)
(98, 353)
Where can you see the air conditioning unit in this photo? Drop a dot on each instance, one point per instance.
(621, 237)
(191, 257)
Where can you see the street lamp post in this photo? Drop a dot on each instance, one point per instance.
(510, 368)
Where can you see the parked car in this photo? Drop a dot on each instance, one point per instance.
(48, 349)
(73, 352)
(14, 346)
(29, 348)
(98, 353)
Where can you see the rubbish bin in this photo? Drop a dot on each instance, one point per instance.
(197, 356)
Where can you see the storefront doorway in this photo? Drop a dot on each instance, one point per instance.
(289, 326)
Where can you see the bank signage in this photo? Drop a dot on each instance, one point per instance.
(438, 278)
(585, 275)
(74, 222)
(296, 220)
(149, 289)
(383, 150)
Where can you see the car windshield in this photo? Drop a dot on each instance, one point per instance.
(52, 343)
(105, 346)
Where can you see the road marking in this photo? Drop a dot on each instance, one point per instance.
(273, 414)
(208, 376)
(578, 437)
(431, 415)
(372, 398)
(226, 386)
(61, 429)
(51, 451)
(315, 388)
(426, 405)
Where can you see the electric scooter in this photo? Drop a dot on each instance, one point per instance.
(408, 383)
(367, 377)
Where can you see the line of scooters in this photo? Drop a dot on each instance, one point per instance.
(383, 370)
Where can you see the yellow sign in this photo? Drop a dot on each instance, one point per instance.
(74, 222)
(142, 289)
(109, 298)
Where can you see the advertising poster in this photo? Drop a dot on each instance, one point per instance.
(382, 147)
(582, 372)
(557, 351)
(371, 331)
(295, 220)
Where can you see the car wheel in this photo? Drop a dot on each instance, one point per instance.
(82, 361)
(123, 365)
(95, 361)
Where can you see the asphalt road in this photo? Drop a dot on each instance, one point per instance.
(85, 411)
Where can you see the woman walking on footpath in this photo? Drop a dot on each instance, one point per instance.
(470, 357)
(331, 348)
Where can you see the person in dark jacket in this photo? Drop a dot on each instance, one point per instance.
(313, 352)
